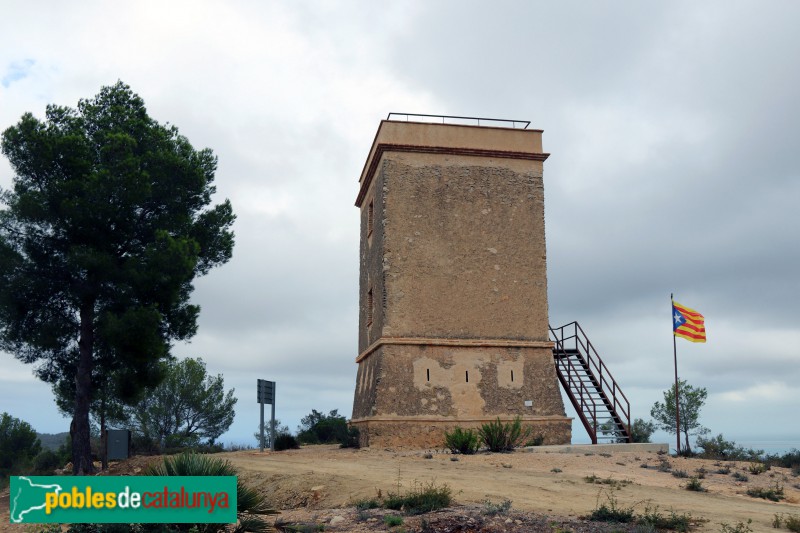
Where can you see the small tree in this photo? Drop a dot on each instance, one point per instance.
(188, 406)
(280, 429)
(641, 431)
(690, 400)
(18, 445)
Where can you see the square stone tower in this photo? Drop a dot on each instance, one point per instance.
(453, 320)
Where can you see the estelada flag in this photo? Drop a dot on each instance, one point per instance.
(688, 323)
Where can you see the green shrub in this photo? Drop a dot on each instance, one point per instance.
(46, 462)
(250, 505)
(738, 476)
(757, 468)
(492, 509)
(319, 428)
(790, 459)
(741, 527)
(421, 499)
(535, 441)
(774, 494)
(609, 511)
(366, 503)
(461, 441)
(349, 437)
(285, 441)
(655, 520)
(719, 448)
(500, 437)
(792, 523)
(18, 446)
(393, 520)
(695, 485)
(297, 527)
(680, 473)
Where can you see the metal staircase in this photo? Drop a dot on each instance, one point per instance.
(598, 400)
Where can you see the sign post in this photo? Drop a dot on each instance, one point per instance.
(266, 394)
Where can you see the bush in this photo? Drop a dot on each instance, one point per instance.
(719, 448)
(695, 485)
(792, 523)
(46, 462)
(492, 509)
(392, 520)
(18, 446)
(367, 503)
(738, 476)
(500, 437)
(740, 527)
(319, 428)
(350, 437)
(757, 468)
(421, 499)
(285, 441)
(609, 511)
(790, 459)
(774, 494)
(655, 520)
(461, 441)
(249, 502)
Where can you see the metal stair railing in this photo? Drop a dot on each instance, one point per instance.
(605, 386)
(571, 381)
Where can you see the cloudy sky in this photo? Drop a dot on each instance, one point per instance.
(672, 128)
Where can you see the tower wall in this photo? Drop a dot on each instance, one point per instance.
(453, 291)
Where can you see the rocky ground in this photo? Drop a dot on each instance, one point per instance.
(317, 488)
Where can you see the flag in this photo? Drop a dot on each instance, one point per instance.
(688, 323)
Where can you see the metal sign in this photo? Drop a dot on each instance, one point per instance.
(266, 391)
(266, 394)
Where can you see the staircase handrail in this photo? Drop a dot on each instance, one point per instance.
(600, 366)
(593, 360)
(572, 371)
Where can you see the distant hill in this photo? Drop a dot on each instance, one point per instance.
(52, 441)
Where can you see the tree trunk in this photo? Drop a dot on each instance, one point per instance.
(103, 433)
(81, 443)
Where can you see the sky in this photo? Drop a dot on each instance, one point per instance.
(673, 134)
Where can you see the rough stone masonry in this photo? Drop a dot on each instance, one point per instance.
(453, 320)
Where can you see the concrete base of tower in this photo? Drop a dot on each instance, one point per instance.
(428, 432)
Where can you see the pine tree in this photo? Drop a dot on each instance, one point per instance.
(108, 222)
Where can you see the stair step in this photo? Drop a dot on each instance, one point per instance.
(591, 395)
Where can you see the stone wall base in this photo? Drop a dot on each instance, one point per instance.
(428, 433)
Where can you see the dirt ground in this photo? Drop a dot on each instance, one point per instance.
(549, 491)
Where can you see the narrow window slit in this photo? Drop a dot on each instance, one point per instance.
(512, 375)
(467, 372)
(369, 307)
(429, 374)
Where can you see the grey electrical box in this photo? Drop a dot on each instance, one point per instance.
(118, 444)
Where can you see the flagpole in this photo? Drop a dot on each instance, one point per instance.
(677, 403)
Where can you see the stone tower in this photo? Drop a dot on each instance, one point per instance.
(453, 319)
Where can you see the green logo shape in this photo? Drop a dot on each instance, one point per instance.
(122, 499)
